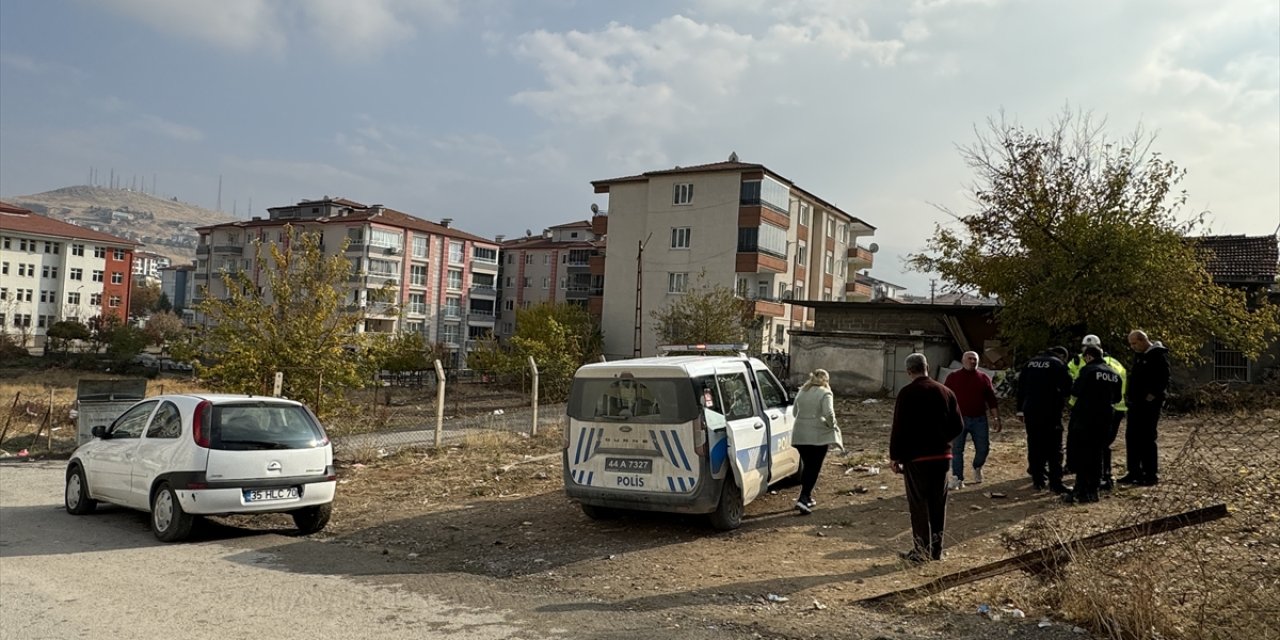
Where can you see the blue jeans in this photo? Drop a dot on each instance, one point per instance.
(978, 428)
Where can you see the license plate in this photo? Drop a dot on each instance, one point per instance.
(628, 465)
(267, 495)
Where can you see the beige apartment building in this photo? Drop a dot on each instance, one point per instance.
(565, 263)
(737, 224)
(443, 281)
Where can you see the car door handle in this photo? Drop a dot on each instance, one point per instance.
(758, 425)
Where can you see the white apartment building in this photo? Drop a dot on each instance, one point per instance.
(565, 263)
(444, 281)
(147, 266)
(52, 270)
(740, 224)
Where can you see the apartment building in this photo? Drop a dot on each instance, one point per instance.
(565, 263)
(147, 266)
(52, 270)
(741, 225)
(177, 283)
(443, 280)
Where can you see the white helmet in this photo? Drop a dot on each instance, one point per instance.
(1091, 341)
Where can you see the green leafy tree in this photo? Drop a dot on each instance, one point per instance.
(143, 299)
(61, 333)
(293, 319)
(706, 313)
(124, 342)
(163, 304)
(409, 352)
(1080, 234)
(559, 337)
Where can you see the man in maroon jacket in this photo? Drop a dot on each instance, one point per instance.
(926, 418)
(976, 395)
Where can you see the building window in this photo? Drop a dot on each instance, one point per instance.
(680, 237)
(418, 275)
(4, 293)
(830, 263)
(53, 247)
(545, 282)
(1228, 364)
(4, 268)
(22, 269)
(98, 276)
(455, 253)
(73, 297)
(113, 301)
(683, 194)
(454, 279)
(117, 277)
(780, 334)
(677, 282)
(766, 238)
(118, 254)
(48, 296)
(802, 253)
(421, 248)
(48, 271)
(6, 244)
(99, 252)
(526, 283)
(77, 250)
(797, 291)
(25, 295)
(95, 299)
(831, 227)
(510, 305)
(386, 239)
(22, 320)
(488, 255)
(26, 245)
(528, 258)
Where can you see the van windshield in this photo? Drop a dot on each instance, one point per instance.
(656, 400)
(264, 425)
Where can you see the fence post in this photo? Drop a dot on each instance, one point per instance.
(533, 368)
(14, 407)
(277, 385)
(439, 403)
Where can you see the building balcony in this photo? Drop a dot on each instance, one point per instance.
(770, 308)
(860, 257)
(232, 249)
(356, 247)
(451, 314)
(384, 278)
(416, 309)
(484, 266)
(483, 291)
(857, 292)
(759, 262)
(201, 276)
(202, 250)
(479, 316)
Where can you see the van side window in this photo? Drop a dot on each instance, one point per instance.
(771, 390)
(736, 394)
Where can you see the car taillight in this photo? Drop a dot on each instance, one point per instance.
(200, 423)
(700, 437)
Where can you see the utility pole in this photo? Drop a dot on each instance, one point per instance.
(635, 340)
(219, 193)
(932, 284)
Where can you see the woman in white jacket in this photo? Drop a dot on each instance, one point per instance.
(815, 431)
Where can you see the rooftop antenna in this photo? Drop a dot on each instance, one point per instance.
(219, 193)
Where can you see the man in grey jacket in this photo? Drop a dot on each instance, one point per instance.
(814, 432)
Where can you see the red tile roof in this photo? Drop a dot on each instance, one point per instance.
(1239, 258)
(16, 219)
(359, 212)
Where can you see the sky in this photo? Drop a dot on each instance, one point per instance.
(499, 113)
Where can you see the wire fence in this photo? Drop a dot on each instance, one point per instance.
(1218, 580)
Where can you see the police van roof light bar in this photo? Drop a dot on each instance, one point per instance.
(740, 348)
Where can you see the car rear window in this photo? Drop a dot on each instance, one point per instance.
(656, 400)
(264, 425)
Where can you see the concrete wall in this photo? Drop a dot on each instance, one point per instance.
(862, 365)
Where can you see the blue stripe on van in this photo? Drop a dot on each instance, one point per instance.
(590, 476)
(582, 435)
(675, 435)
(671, 482)
(682, 487)
(692, 481)
(591, 436)
(653, 437)
(670, 454)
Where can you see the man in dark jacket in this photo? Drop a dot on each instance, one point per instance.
(1043, 387)
(926, 418)
(1096, 389)
(1148, 382)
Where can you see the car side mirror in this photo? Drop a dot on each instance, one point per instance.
(100, 431)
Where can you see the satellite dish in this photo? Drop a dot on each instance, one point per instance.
(873, 248)
(528, 232)
(595, 208)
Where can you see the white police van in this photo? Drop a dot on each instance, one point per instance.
(686, 434)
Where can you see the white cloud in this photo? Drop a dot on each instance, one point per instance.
(353, 29)
(169, 129)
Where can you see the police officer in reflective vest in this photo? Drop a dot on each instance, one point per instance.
(1120, 408)
(1043, 388)
(1096, 389)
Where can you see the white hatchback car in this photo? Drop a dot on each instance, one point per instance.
(181, 456)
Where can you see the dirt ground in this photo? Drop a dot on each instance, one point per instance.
(494, 506)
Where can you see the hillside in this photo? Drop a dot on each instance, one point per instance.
(166, 227)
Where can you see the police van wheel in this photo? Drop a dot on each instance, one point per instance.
(728, 513)
(599, 513)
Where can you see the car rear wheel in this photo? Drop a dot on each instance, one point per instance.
(169, 522)
(728, 513)
(312, 519)
(599, 513)
(76, 496)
